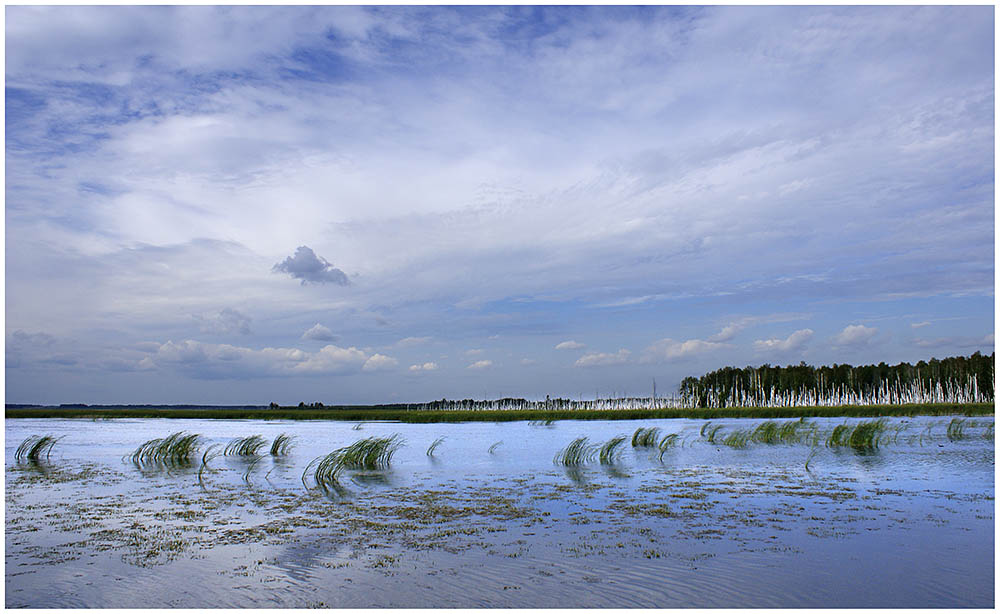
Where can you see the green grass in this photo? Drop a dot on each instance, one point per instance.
(737, 439)
(176, 450)
(864, 436)
(710, 431)
(610, 453)
(645, 437)
(282, 445)
(371, 454)
(667, 442)
(369, 413)
(245, 446)
(576, 454)
(32, 448)
(433, 446)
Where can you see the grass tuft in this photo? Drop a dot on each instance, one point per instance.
(737, 439)
(281, 445)
(493, 448)
(245, 446)
(371, 454)
(577, 453)
(433, 446)
(668, 442)
(645, 437)
(610, 453)
(32, 448)
(176, 450)
(956, 429)
(864, 437)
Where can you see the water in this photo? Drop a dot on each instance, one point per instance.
(910, 525)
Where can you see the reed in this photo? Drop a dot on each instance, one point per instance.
(645, 437)
(710, 431)
(371, 454)
(988, 433)
(208, 455)
(493, 448)
(737, 439)
(326, 474)
(32, 448)
(175, 450)
(865, 436)
(577, 453)
(956, 429)
(667, 442)
(433, 446)
(245, 446)
(282, 445)
(610, 453)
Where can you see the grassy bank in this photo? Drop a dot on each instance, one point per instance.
(368, 413)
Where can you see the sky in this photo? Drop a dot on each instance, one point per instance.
(240, 205)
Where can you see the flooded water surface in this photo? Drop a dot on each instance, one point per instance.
(489, 519)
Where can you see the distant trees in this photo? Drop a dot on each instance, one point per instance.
(962, 379)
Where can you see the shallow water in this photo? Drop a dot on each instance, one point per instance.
(910, 525)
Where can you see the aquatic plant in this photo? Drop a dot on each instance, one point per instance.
(610, 453)
(988, 433)
(208, 455)
(175, 450)
(434, 445)
(865, 435)
(956, 429)
(281, 445)
(371, 454)
(645, 437)
(545, 422)
(737, 439)
(577, 453)
(245, 446)
(493, 448)
(709, 431)
(32, 448)
(358, 426)
(326, 474)
(667, 442)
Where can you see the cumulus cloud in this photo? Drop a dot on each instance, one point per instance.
(229, 321)
(600, 359)
(319, 333)
(795, 341)
(570, 345)
(668, 349)
(380, 362)
(481, 364)
(221, 361)
(427, 366)
(920, 324)
(310, 268)
(855, 335)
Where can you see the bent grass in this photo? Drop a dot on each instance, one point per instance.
(176, 450)
(282, 445)
(645, 437)
(371, 454)
(610, 453)
(245, 446)
(32, 448)
(433, 446)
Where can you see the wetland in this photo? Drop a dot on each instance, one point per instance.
(652, 513)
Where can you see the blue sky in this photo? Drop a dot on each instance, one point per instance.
(382, 204)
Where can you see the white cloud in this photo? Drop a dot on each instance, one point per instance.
(427, 366)
(229, 321)
(600, 359)
(986, 342)
(528, 361)
(920, 324)
(855, 335)
(481, 364)
(473, 352)
(412, 341)
(380, 362)
(795, 341)
(319, 333)
(570, 345)
(668, 349)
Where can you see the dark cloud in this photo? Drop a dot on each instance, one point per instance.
(309, 267)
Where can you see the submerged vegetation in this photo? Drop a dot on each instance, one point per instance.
(282, 445)
(864, 436)
(371, 454)
(433, 446)
(32, 448)
(610, 453)
(645, 437)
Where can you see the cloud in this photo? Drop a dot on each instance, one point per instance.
(600, 359)
(481, 364)
(473, 352)
(412, 341)
(986, 341)
(22, 338)
(310, 268)
(427, 366)
(224, 361)
(855, 335)
(380, 362)
(668, 349)
(795, 341)
(737, 326)
(920, 324)
(319, 333)
(528, 361)
(229, 321)
(570, 345)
